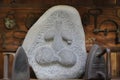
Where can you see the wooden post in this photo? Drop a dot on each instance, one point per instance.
(6, 65)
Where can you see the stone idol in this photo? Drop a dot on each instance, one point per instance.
(55, 44)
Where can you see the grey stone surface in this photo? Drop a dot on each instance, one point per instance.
(55, 44)
(20, 66)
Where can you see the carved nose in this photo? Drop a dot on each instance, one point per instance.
(58, 43)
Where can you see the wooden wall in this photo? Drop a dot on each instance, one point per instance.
(10, 39)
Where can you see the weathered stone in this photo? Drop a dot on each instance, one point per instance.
(55, 44)
(20, 66)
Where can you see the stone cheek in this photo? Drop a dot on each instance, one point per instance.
(46, 56)
(67, 58)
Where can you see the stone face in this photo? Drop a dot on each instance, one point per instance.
(55, 44)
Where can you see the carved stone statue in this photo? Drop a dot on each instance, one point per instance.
(55, 44)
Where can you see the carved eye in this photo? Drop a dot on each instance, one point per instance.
(69, 42)
(67, 37)
(49, 35)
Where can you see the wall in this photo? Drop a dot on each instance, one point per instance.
(11, 39)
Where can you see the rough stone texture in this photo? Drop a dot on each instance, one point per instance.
(55, 44)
